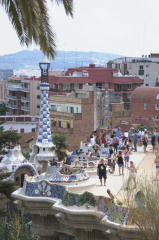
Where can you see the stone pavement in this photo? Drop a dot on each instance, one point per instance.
(144, 164)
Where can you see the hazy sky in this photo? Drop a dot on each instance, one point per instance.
(123, 27)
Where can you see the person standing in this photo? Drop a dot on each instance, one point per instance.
(145, 141)
(101, 172)
(115, 143)
(132, 173)
(153, 139)
(127, 155)
(130, 133)
(120, 162)
(118, 132)
(141, 134)
(135, 140)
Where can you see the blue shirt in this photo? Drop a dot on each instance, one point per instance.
(135, 137)
(118, 133)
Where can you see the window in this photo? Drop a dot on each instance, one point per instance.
(22, 130)
(156, 106)
(141, 67)
(128, 96)
(141, 72)
(81, 95)
(72, 109)
(59, 123)
(99, 85)
(119, 87)
(145, 106)
(76, 85)
(129, 86)
(33, 129)
(68, 125)
(66, 86)
(157, 96)
(53, 107)
(53, 123)
(67, 109)
(76, 109)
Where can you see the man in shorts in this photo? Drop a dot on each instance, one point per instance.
(101, 171)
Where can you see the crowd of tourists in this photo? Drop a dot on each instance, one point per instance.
(121, 145)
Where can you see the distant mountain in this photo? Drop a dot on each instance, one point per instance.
(67, 59)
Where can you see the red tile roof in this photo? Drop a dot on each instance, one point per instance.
(55, 79)
(144, 94)
(97, 74)
(127, 80)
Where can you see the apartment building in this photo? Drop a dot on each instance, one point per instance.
(22, 95)
(77, 114)
(101, 77)
(146, 68)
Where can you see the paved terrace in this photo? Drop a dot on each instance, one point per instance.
(144, 164)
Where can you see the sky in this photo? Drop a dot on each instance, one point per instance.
(124, 27)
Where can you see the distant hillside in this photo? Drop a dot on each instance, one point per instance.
(68, 59)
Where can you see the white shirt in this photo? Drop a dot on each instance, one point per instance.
(121, 144)
(92, 141)
(126, 134)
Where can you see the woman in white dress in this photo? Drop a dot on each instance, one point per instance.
(132, 173)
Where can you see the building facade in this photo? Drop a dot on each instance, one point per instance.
(146, 68)
(22, 95)
(145, 104)
(102, 78)
(79, 113)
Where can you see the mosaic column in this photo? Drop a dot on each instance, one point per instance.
(44, 132)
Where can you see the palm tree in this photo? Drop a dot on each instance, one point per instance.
(30, 19)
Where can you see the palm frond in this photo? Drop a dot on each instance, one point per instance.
(68, 6)
(30, 19)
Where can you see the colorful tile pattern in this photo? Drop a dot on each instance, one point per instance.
(44, 131)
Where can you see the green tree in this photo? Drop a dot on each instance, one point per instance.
(19, 229)
(3, 109)
(30, 19)
(60, 145)
(8, 139)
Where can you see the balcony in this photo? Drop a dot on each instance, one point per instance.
(24, 89)
(11, 106)
(25, 99)
(14, 87)
(27, 109)
(10, 97)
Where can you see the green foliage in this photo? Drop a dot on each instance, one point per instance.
(60, 145)
(3, 109)
(5, 175)
(7, 139)
(14, 81)
(7, 187)
(30, 19)
(149, 129)
(26, 153)
(19, 229)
